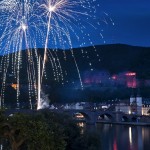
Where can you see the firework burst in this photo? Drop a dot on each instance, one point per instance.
(21, 29)
(47, 23)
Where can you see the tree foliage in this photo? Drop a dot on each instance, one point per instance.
(32, 132)
(43, 130)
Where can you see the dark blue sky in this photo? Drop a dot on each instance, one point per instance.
(132, 21)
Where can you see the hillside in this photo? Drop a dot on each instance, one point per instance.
(114, 59)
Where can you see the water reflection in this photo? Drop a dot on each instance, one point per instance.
(115, 145)
(123, 137)
(130, 135)
(82, 126)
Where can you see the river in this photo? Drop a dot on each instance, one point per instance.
(122, 137)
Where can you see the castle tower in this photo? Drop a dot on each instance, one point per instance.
(132, 98)
(139, 99)
(133, 105)
(139, 103)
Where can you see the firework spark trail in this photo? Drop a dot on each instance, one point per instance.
(29, 70)
(50, 8)
(36, 88)
(54, 68)
(5, 69)
(18, 73)
(60, 67)
(57, 60)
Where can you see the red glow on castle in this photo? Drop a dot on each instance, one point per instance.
(114, 77)
(131, 80)
(131, 74)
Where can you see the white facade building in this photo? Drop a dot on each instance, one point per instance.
(135, 107)
(146, 110)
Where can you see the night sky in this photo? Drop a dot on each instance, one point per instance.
(132, 21)
(115, 21)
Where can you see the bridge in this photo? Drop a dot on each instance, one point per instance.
(97, 116)
(92, 116)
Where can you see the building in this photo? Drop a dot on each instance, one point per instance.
(135, 106)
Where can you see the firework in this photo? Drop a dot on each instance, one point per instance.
(47, 23)
(20, 29)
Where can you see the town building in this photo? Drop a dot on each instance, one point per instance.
(135, 106)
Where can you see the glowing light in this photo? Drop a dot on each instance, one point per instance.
(51, 8)
(81, 124)
(114, 77)
(129, 112)
(131, 74)
(79, 116)
(24, 27)
(15, 86)
(130, 135)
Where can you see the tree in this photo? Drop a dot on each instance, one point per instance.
(45, 130)
(62, 122)
(32, 132)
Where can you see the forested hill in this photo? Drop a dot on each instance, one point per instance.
(114, 59)
(117, 58)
